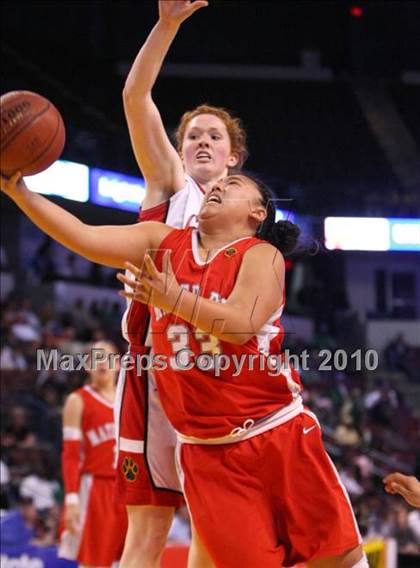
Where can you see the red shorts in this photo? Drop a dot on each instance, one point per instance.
(146, 470)
(272, 500)
(103, 525)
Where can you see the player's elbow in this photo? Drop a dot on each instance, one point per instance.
(133, 96)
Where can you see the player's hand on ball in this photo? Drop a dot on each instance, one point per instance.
(176, 11)
(159, 289)
(72, 518)
(13, 185)
(405, 485)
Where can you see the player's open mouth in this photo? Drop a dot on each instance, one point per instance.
(214, 198)
(203, 156)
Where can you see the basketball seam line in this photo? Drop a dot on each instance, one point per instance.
(49, 145)
(25, 126)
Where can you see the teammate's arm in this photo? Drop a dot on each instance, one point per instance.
(107, 245)
(257, 294)
(158, 160)
(71, 459)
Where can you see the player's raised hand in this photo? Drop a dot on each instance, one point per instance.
(176, 11)
(159, 289)
(405, 485)
(13, 185)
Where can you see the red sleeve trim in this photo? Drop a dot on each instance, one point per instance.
(156, 213)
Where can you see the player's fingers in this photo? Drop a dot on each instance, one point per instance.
(132, 284)
(400, 489)
(124, 280)
(135, 270)
(397, 477)
(167, 265)
(150, 267)
(197, 5)
(137, 297)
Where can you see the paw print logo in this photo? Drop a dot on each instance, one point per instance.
(130, 469)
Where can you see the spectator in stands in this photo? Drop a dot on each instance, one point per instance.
(12, 357)
(348, 476)
(396, 353)
(41, 486)
(17, 432)
(406, 537)
(42, 264)
(346, 433)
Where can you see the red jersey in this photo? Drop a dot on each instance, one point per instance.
(98, 433)
(202, 403)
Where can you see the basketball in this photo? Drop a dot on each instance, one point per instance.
(32, 133)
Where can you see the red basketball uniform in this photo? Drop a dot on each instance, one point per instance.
(103, 524)
(144, 435)
(260, 487)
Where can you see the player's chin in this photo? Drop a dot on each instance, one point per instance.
(205, 171)
(208, 211)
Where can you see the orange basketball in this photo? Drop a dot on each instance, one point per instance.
(32, 133)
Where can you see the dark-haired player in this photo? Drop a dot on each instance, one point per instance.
(94, 527)
(261, 489)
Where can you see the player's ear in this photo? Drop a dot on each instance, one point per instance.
(233, 160)
(258, 213)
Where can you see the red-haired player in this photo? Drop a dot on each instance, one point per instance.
(209, 142)
(95, 526)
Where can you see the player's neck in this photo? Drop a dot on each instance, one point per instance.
(106, 390)
(215, 240)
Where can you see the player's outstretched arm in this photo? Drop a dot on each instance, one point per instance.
(158, 160)
(257, 294)
(71, 458)
(405, 485)
(107, 245)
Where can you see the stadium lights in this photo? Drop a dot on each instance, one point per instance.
(372, 234)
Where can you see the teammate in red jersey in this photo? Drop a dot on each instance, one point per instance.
(261, 489)
(209, 143)
(95, 527)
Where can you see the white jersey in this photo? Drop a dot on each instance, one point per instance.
(182, 207)
(184, 204)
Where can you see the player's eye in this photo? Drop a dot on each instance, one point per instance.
(216, 137)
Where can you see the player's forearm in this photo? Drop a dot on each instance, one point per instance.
(147, 65)
(70, 461)
(228, 323)
(55, 221)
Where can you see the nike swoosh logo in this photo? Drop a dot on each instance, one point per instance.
(307, 430)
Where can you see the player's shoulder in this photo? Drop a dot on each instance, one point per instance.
(74, 401)
(77, 395)
(262, 252)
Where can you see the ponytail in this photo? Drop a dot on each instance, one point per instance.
(283, 235)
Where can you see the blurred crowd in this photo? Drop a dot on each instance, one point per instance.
(369, 428)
